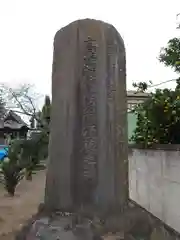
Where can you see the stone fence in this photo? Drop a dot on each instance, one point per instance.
(154, 181)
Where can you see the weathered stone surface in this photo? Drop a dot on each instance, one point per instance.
(116, 236)
(60, 228)
(75, 226)
(88, 143)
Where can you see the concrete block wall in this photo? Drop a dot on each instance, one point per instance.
(154, 182)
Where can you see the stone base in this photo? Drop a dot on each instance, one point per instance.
(134, 223)
(60, 227)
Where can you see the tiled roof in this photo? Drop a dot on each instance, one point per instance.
(15, 123)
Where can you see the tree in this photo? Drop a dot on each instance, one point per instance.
(44, 125)
(2, 104)
(46, 111)
(23, 100)
(44, 114)
(158, 118)
(36, 147)
(142, 86)
(170, 55)
(30, 155)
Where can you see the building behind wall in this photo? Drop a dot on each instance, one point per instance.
(12, 127)
(134, 98)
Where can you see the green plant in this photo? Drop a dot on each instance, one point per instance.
(32, 151)
(12, 175)
(158, 118)
(11, 170)
(29, 156)
(170, 55)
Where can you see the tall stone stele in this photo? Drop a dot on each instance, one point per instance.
(88, 160)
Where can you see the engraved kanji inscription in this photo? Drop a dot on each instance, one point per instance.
(89, 114)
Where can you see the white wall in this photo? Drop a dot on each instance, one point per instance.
(154, 183)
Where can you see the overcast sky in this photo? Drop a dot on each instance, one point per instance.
(27, 29)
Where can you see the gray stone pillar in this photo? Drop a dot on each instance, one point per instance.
(88, 160)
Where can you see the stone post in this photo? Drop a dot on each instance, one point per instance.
(88, 158)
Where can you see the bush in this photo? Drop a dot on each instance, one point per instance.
(23, 159)
(12, 175)
(11, 170)
(32, 151)
(158, 118)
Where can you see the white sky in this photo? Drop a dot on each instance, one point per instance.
(27, 29)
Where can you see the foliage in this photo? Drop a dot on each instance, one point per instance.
(2, 107)
(31, 154)
(23, 159)
(24, 155)
(3, 103)
(158, 118)
(32, 122)
(44, 114)
(170, 55)
(36, 148)
(142, 86)
(41, 119)
(44, 126)
(43, 144)
(23, 100)
(12, 169)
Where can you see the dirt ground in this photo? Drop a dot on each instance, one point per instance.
(15, 211)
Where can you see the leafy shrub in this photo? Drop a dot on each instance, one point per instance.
(12, 175)
(11, 170)
(158, 118)
(32, 150)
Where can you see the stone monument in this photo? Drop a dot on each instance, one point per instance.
(88, 159)
(88, 164)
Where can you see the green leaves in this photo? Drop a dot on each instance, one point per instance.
(12, 175)
(170, 55)
(158, 118)
(142, 86)
(12, 169)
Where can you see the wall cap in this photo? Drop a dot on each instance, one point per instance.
(167, 147)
